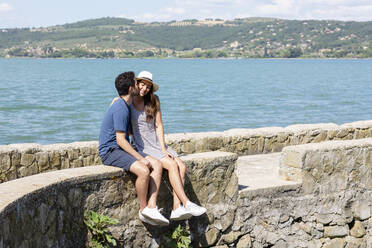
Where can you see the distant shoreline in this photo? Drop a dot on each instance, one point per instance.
(177, 58)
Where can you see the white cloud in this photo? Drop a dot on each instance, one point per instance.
(5, 7)
(175, 10)
(358, 10)
(361, 13)
(280, 8)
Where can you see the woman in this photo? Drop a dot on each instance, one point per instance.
(148, 134)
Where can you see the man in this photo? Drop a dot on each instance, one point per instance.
(115, 150)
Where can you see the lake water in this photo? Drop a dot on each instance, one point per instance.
(58, 101)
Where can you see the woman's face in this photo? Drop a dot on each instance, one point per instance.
(144, 87)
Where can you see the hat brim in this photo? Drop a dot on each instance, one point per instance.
(154, 85)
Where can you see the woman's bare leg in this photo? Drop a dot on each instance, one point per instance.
(182, 172)
(175, 178)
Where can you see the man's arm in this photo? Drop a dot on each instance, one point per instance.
(124, 144)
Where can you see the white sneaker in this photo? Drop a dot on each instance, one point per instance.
(146, 220)
(154, 215)
(180, 214)
(194, 209)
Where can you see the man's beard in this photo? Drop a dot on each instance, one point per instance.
(135, 92)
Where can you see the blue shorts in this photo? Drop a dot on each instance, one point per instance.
(119, 158)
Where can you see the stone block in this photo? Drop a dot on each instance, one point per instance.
(76, 163)
(369, 158)
(361, 133)
(28, 171)
(211, 237)
(5, 162)
(362, 210)
(290, 173)
(232, 187)
(336, 231)
(324, 218)
(315, 244)
(229, 238)
(55, 159)
(73, 154)
(27, 159)
(244, 242)
(335, 243)
(342, 133)
(42, 159)
(86, 151)
(358, 230)
(16, 159)
(11, 174)
(352, 242)
(292, 159)
(89, 160)
(65, 163)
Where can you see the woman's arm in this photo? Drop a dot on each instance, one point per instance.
(160, 129)
(114, 100)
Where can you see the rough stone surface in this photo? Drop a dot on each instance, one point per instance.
(358, 230)
(244, 242)
(330, 206)
(240, 141)
(336, 231)
(47, 209)
(331, 167)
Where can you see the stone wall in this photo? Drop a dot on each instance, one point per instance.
(267, 140)
(19, 160)
(329, 167)
(46, 210)
(329, 207)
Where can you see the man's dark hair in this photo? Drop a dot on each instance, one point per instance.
(123, 81)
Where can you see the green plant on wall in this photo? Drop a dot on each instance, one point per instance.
(97, 225)
(180, 238)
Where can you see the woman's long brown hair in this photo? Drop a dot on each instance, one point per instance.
(151, 104)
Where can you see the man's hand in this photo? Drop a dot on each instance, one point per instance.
(146, 162)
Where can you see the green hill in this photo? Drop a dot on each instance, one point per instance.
(247, 37)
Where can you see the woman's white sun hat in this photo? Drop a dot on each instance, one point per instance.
(147, 76)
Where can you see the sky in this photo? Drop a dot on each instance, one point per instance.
(42, 13)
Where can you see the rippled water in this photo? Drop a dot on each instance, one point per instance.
(52, 101)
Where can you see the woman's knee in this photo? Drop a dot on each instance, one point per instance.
(157, 166)
(172, 165)
(182, 167)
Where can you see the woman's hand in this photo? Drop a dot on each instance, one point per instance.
(114, 100)
(169, 155)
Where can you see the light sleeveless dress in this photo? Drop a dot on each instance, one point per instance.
(144, 135)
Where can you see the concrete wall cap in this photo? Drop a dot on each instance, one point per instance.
(23, 147)
(13, 190)
(208, 155)
(359, 124)
(74, 145)
(329, 145)
(308, 127)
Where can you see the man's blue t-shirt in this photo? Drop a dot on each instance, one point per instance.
(117, 118)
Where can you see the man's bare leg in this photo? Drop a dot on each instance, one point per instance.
(155, 180)
(142, 182)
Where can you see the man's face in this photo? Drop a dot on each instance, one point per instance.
(135, 90)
